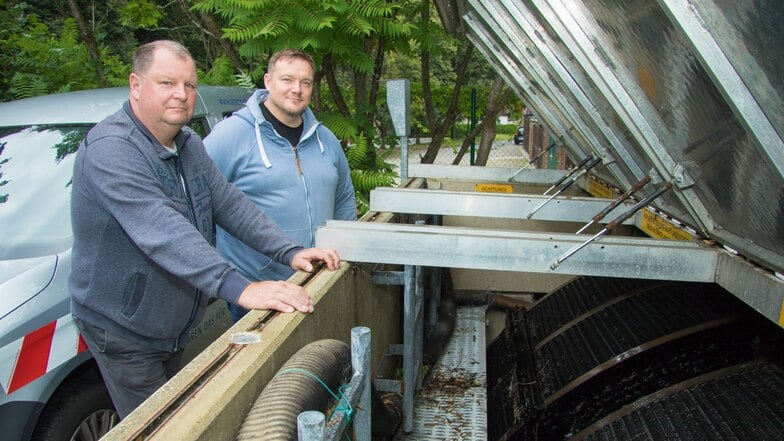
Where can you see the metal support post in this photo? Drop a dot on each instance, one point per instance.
(413, 281)
(435, 289)
(419, 323)
(399, 102)
(311, 425)
(360, 361)
(409, 334)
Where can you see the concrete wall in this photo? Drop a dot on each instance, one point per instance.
(210, 397)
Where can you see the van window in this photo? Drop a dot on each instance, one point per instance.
(36, 163)
(200, 126)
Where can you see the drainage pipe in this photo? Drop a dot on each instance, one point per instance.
(292, 391)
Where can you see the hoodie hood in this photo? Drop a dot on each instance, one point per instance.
(253, 115)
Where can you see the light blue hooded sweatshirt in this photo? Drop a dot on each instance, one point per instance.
(299, 187)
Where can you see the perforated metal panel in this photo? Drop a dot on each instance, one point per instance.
(452, 405)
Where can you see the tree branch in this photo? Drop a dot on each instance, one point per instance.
(89, 40)
(334, 89)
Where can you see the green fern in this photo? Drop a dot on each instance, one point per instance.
(357, 154)
(363, 203)
(375, 8)
(312, 19)
(366, 180)
(272, 24)
(221, 73)
(341, 126)
(243, 79)
(25, 85)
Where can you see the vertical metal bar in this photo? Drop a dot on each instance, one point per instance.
(419, 285)
(360, 361)
(409, 311)
(310, 426)
(435, 297)
(419, 324)
(435, 288)
(399, 103)
(403, 159)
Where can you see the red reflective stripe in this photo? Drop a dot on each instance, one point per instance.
(33, 357)
(81, 346)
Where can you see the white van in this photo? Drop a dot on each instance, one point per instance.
(50, 388)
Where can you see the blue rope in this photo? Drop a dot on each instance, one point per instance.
(345, 405)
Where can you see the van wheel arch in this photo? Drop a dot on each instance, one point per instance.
(78, 410)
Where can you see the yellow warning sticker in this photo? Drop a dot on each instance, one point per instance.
(660, 228)
(599, 190)
(494, 188)
(781, 315)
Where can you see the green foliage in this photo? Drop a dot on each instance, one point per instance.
(337, 27)
(44, 62)
(368, 171)
(243, 79)
(221, 73)
(139, 14)
(341, 126)
(25, 85)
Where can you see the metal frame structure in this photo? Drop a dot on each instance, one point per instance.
(535, 252)
(655, 88)
(685, 92)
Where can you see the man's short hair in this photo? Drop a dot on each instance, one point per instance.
(290, 54)
(142, 59)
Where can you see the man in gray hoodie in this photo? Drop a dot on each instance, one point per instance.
(145, 202)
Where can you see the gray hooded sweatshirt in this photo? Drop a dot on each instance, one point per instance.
(143, 261)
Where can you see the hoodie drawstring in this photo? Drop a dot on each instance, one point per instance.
(263, 152)
(318, 138)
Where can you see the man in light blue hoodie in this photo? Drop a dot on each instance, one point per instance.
(285, 161)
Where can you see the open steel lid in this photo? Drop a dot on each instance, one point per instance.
(688, 91)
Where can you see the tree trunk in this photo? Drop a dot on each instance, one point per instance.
(334, 89)
(211, 24)
(378, 69)
(208, 25)
(89, 40)
(466, 142)
(427, 91)
(439, 131)
(495, 103)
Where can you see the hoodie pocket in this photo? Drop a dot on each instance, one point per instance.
(134, 292)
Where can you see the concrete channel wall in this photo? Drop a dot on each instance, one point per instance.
(209, 398)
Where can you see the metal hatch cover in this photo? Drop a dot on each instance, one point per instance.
(688, 89)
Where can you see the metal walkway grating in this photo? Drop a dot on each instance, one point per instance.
(453, 403)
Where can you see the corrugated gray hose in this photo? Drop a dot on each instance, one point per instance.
(292, 391)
